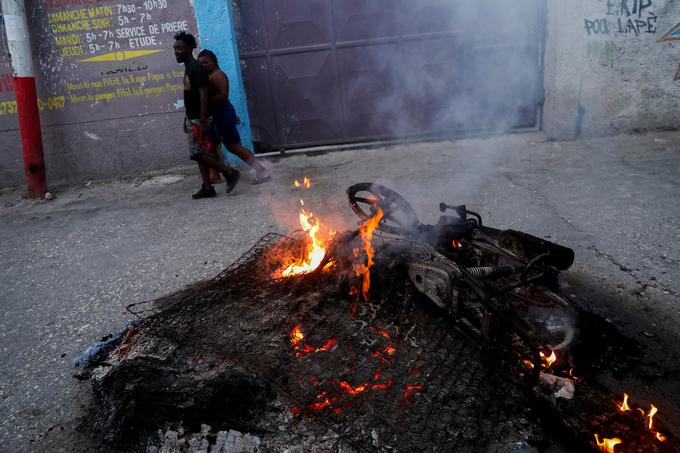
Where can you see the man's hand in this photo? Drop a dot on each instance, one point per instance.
(184, 126)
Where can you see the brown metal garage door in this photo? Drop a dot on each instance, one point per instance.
(321, 72)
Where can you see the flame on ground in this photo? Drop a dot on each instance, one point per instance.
(571, 375)
(623, 407)
(325, 401)
(366, 229)
(457, 244)
(549, 360)
(380, 332)
(411, 390)
(343, 400)
(315, 248)
(389, 350)
(297, 341)
(653, 410)
(342, 394)
(352, 391)
(306, 182)
(649, 417)
(607, 445)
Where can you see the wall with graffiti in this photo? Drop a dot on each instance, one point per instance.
(108, 84)
(612, 67)
(110, 88)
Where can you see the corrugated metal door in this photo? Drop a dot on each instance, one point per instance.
(322, 72)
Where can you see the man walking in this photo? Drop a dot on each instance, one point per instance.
(197, 119)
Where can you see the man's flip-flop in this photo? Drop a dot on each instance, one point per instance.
(261, 180)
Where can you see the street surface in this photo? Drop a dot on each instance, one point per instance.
(68, 267)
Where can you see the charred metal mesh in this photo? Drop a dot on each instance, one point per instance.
(437, 390)
(253, 255)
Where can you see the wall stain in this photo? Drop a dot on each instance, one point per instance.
(580, 114)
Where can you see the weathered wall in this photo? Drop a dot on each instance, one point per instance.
(99, 149)
(11, 166)
(611, 66)
(110, 90)
(109, 107)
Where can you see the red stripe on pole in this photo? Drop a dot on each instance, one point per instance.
(31, 137)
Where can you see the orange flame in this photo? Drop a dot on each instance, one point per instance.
(306, 182)
(410, 392)
(653, 410)
(660, 437)
(624, 406)
(607, 445)
(325, 402)
(384, 386)
(366, 230)
(457, 244)
(549, 360)
(316, 246)
(341, 395)
(352, 391)
(381, 332)
(340, 402)
(317, 239)
(296, 340)
(410, 389)
(389, 350)
(296, 336)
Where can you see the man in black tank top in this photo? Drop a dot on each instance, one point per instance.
(197, 119)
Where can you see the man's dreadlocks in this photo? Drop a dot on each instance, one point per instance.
(188, 39)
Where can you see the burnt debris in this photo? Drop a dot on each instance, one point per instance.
(463, 342)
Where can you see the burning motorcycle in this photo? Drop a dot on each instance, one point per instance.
(499, 284)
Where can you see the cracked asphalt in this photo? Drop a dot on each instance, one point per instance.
(68, 267)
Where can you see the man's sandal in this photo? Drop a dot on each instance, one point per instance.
(262, 180)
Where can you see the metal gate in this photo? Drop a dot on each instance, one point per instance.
(323, 72)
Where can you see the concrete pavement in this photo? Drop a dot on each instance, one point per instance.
(69, 266)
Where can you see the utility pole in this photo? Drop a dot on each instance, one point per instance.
(19, 44)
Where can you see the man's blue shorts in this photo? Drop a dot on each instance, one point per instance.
(223, 127)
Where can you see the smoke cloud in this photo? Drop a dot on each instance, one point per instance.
(457, 67)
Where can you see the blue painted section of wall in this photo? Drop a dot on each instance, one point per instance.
(216, 32)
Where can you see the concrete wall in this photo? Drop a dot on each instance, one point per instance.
(611, 66)
(100, 149)
(110, 89)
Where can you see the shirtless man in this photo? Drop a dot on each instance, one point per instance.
(224, 117)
